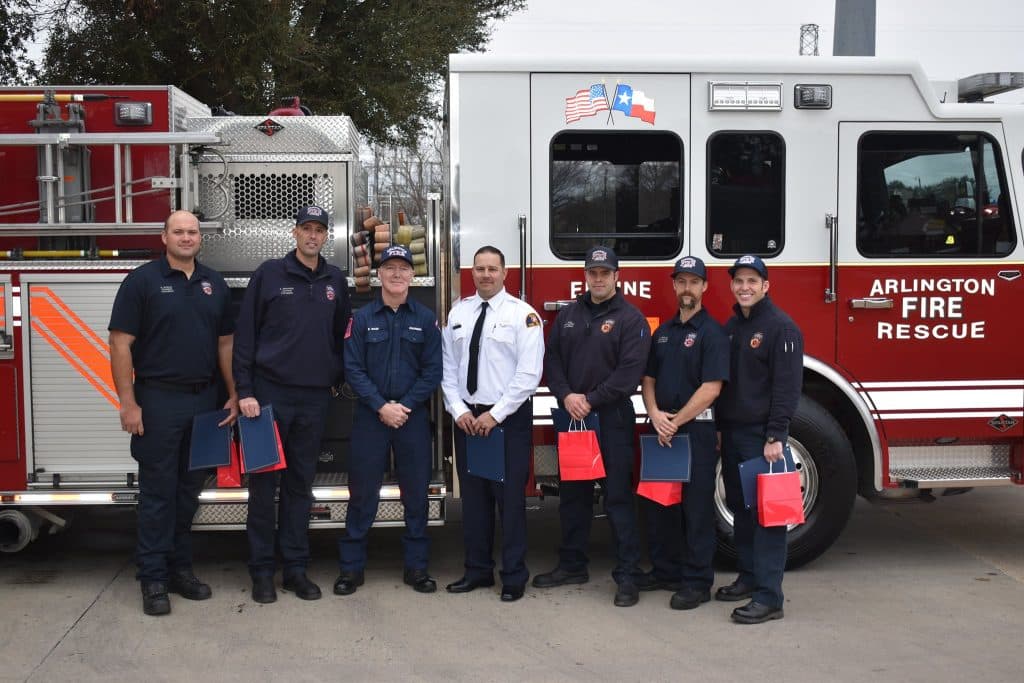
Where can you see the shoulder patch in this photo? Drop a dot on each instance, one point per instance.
(348, 329)
(532, 320)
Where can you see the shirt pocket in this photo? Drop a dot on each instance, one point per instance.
(413, 336)
(378, 336)
(503, 334)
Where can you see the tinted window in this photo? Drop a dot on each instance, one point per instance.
(622, 190)
(746, 189)
(932, 194)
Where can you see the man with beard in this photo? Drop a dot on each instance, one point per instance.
(170, 328)
(687, 366)
(288, 354)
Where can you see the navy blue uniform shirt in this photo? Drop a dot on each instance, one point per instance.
(599, 350)
(766, 369)
(291, 325)
(176, 321)
(393, 355)
(684, 356)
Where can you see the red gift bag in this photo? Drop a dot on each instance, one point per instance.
(662, 492)
(230, 475)
(779, 499)
(281, 464)
(579, 454)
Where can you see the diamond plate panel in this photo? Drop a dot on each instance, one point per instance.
(545, 461)
(298, 134)
(233, 514)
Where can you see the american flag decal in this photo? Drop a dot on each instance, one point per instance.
(586, 103)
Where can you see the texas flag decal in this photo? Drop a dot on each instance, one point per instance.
(633, 103)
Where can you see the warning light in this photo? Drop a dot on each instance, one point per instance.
(133, 113)
(812, 96)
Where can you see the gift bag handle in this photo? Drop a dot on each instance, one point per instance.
(785, 466)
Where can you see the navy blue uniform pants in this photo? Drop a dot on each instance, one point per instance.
(168, 492)
(664, 529)
(696, 530)
(761, 550)
(576, 499)
(300, 414)
(373, 441)
(479, 497)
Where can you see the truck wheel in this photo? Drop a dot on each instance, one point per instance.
(828, 477)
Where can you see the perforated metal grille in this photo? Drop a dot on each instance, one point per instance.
(257, 203)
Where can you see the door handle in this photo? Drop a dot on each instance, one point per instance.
(557, 305)
(871, 302)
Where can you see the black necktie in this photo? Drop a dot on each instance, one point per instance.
(474, 350)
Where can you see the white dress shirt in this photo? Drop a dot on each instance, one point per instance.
(511, 355)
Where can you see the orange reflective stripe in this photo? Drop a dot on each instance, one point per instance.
(74, 341)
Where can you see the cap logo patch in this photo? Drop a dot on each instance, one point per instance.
(756, 340)
(207, 287)
(314, 211)
(690, 340)
(687, 263)
(746, 259)
(599, 255)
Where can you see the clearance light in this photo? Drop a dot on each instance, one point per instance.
(812, 96)
(745, 95)
(133, 113)
(222, 494)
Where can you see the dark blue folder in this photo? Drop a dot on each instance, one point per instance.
(485, 455)
(664, 463)
(749, 469)
(211, 445)
(560, 419)
(259, 441)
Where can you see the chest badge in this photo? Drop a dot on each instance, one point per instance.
(690, 340)
(756, 340)
(607, 326)
(330, 293)
(207, 287)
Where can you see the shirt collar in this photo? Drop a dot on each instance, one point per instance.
(199, 269)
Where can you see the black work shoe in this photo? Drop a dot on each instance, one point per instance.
(300, 584)
(756, 613)
(155, 602)
(511, 593)
(626, 595)
(559, 577)
(689, 597)
(185, 584)
(465, 585)
(734, 592)
(420, 580)
(263, 590)
(347, 583)
(649, 582)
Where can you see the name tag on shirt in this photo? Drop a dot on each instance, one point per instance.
(707, 416)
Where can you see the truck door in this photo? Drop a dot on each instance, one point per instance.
(607, 167)
(929, 256)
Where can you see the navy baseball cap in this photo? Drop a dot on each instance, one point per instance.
(752, 262)
(691, 265)
(601, 257)
(311, 213)
(396, 251)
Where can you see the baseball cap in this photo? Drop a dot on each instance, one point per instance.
(601, 257)
(691, 265)
(752, 262)
(396, 251)
(311, 213)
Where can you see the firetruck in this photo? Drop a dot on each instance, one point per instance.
(883, 204)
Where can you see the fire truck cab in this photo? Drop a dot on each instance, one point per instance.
(886, 207)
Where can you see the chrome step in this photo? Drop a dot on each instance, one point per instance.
(944, 477)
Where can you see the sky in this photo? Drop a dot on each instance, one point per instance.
(949, 39)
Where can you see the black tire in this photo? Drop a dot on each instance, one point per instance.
(828, 472)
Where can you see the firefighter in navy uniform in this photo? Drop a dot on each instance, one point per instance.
(688, 364)
(393, 364)
(754, 413)
(493, 359)
(170, 328)
(596, 353)
(288, 354)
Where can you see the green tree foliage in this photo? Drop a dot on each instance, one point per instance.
(16, 30)
(377, 61)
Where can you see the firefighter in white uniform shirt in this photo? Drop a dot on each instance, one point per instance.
(493, 349)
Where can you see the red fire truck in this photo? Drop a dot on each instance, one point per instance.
(884, 205)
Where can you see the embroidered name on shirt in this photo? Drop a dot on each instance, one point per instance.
(287, 291)
(167, 289)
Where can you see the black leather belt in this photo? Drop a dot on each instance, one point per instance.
(180, 387)
(479, 409)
